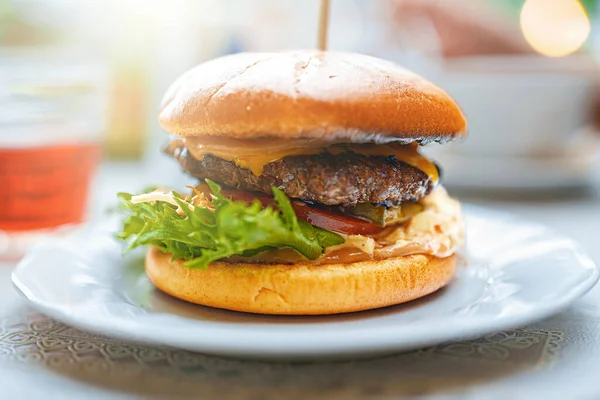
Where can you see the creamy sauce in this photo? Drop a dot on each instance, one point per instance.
(256, 153)
(436, 231)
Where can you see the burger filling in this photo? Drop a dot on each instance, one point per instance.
(337, 179)
(268, 202)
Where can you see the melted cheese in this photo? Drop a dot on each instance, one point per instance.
(255, 154)
(251, 154)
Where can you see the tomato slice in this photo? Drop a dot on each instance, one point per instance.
(322, 217)
(333, 220)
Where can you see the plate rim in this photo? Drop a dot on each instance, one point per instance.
(380, 340)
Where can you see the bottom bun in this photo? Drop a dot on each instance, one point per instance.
(301, 289)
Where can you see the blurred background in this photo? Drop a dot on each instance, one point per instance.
(81, 82)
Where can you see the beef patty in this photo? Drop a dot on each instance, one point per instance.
(344, 179)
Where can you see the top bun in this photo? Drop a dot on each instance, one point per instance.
(306, 95)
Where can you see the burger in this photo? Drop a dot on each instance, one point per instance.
(312, 196)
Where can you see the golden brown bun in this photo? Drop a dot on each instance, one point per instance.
(309, 94)
(302, 288)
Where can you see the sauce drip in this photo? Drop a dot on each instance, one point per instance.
(344, 255)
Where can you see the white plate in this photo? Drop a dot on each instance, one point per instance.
(515, 273)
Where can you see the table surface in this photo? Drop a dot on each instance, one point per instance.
(41, 358)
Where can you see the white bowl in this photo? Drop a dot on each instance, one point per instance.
(521, 105)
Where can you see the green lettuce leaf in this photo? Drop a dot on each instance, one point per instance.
(202, 235)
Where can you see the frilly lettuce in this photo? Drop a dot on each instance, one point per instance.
(220, 228)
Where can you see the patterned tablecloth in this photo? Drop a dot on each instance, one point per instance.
(556, 358)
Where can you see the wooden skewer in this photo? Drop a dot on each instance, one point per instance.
(323, 25)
